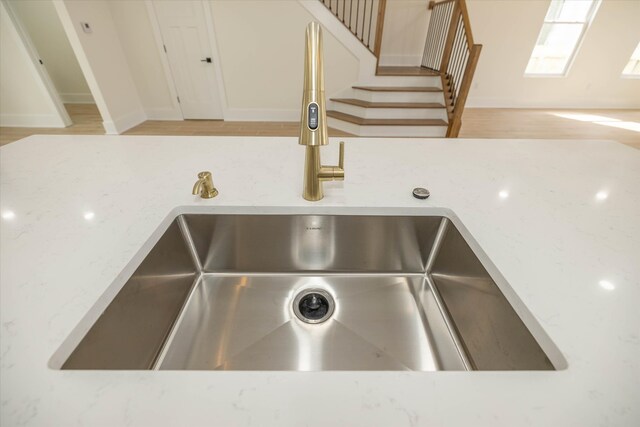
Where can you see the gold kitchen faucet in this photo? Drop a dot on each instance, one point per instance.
(313, 123)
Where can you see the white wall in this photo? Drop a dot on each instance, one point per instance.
(24, 99)
(261, 44)
(40, 20)
(103, 62)
(404, 32)
(509, 29)
(261, 48)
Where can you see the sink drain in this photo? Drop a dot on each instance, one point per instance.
(313, 305)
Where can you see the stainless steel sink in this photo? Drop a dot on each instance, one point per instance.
(311, 292)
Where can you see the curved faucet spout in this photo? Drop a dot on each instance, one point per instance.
(313, 121)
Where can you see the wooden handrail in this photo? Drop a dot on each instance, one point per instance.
(465, 18)
(456, 120)
(452, 52)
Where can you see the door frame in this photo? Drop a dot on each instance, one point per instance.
(41, 70)
(157, 36)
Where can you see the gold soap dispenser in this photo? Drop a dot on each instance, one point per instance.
(313, 122)
(204, 186)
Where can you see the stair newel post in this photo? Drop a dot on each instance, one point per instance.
(456, 121)
(382, 6)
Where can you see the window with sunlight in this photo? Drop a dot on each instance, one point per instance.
(633, 67)
(563, 28)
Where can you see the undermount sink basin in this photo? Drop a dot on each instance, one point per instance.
(312, 293)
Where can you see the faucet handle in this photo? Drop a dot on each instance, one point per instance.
(333, 173)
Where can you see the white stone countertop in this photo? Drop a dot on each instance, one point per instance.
(559, 219)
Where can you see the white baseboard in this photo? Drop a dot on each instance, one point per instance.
(400, 60)
(77, 98)
(163, 114)
(259, 114)
(516, 103)
(31, 120)
(124, 123)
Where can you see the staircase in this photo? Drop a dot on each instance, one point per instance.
(403, 101)
(420, 101)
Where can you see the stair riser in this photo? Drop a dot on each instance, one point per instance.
(390, 113)
(389, 131)
(431, 81)
(373, 96)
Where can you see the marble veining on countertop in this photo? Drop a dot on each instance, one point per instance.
(560, 219)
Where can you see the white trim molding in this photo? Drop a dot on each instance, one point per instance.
(504, 102)
(69, 28)
(124, 123)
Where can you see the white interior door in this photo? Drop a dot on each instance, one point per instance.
(184, 34)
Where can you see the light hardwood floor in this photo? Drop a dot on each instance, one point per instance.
(476, 123)
(86, 121)
(617, 125)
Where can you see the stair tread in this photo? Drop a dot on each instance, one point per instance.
(399, 88)
(405, 71)
(368, 104)
(385, 122)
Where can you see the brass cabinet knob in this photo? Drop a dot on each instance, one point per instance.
(204, 186)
